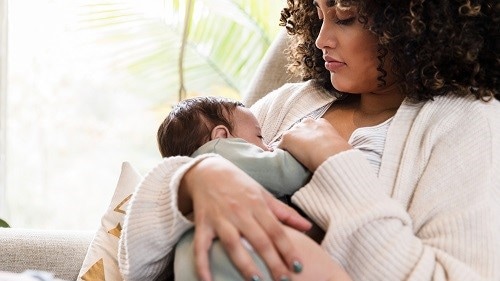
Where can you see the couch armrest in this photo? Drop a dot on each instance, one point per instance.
(60, 252)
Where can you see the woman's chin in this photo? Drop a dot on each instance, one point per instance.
(342, 86)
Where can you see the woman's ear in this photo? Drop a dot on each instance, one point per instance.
(220, 131)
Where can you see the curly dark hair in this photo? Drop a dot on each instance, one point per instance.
(189, 124)
(436, 46)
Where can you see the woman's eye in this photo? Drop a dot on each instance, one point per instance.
(347, 21)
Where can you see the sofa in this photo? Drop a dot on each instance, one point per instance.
(62, 252)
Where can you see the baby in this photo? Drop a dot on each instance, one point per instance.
(223, 126)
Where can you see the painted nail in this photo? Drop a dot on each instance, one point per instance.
(297, 267)
(255, 278)
(284, 278)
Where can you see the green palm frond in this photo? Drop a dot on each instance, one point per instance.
(231, 37)
(200, 46)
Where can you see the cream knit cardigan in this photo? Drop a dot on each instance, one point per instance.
(432, 213)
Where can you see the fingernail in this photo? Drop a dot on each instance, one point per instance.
(255, 278)
(284, 278)
(297, 267)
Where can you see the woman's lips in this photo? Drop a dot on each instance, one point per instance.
(334, 66)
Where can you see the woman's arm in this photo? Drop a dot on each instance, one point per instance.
(438, 221)
(229, 204)
(153, 222)
(222, 196)
(145, 248)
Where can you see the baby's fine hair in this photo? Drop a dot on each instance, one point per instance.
(188, 126)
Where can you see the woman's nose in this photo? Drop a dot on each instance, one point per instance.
(326, 38)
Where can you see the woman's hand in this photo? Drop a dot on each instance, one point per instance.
(229, 204)
(311, 142)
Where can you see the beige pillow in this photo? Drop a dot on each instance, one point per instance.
(101, 262)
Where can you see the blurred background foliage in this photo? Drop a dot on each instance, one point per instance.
(3, 223)
(89, 81)
(188, 47)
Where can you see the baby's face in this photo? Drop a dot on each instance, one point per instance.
(247, 127)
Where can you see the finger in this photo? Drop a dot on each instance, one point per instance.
(286, 214)
(203, 237)
(282, 247)
(239, 255)
(262, 243)
(287, 137)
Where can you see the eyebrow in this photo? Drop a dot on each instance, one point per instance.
(329, 3)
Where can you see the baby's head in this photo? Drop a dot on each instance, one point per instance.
(195, 121)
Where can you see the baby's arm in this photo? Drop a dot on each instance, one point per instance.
(278, 171)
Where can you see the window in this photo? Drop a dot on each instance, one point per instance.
(85, 84)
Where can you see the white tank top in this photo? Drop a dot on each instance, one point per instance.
(371, 141)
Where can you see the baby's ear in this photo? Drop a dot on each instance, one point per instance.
(220, 131)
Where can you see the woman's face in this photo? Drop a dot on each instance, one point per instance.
(349, 50)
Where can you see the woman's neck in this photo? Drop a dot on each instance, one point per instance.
(371, 108)
(361, 110)
(373, 104)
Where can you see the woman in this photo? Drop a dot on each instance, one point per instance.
(413, 82)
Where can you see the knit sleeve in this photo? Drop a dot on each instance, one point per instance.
(441, 225)
(154, 223)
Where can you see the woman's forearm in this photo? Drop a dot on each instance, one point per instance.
(153, 223)
(366, 228)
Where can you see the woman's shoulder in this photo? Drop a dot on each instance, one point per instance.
(464, 112)
(281, 108)
(466, 107)
(292, 98)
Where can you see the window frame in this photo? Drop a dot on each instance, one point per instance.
(3, 99)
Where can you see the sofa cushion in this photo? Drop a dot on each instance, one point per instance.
(60, 252)
(101, 260)
(29, 275)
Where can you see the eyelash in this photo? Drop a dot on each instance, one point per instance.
(347, 21)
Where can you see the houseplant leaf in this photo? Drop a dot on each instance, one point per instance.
(3, 223)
